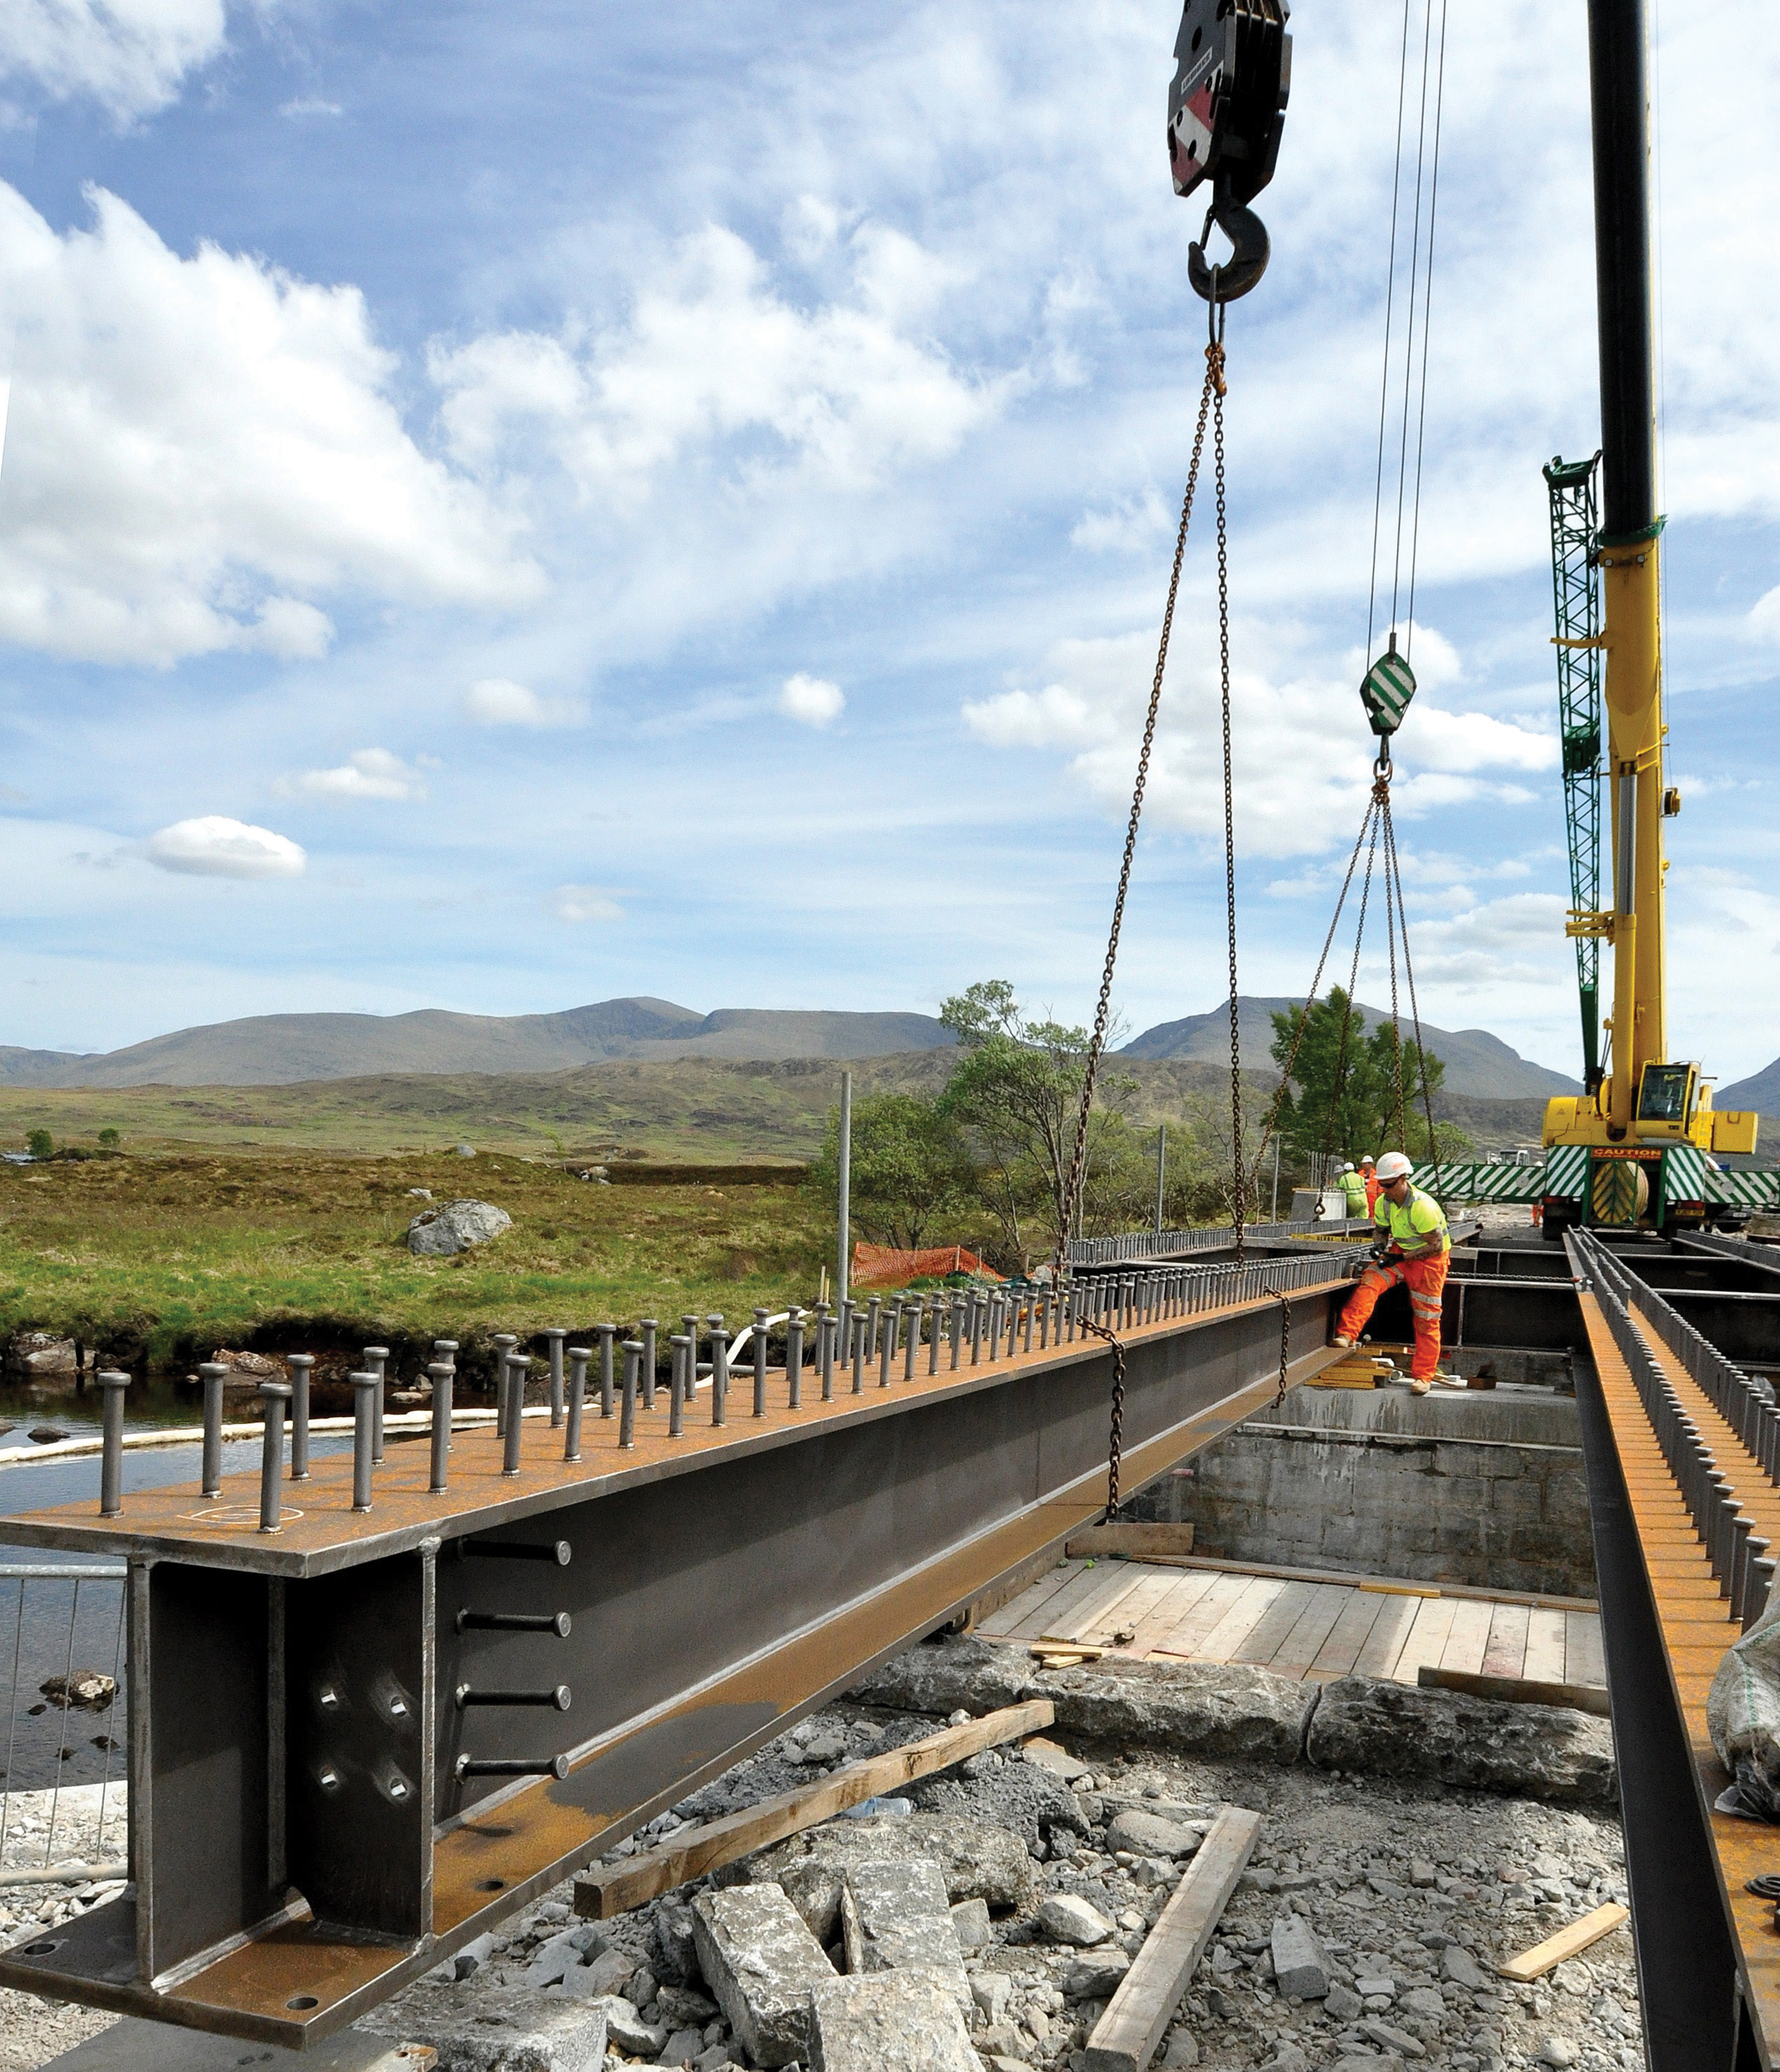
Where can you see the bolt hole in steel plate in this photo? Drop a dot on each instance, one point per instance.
(482, 1884)
(301, 2003)
(1767, 1886)
(42, 1949)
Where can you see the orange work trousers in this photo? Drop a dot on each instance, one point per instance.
(1424, 1279)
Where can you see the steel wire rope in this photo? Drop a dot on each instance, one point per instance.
(1393, 865)
(1409, 328)
(1389, 297)
(1372, 817)
(1427, 320)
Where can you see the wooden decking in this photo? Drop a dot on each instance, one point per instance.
(1300, 1628)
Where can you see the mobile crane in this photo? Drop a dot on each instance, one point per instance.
(1632, 1150)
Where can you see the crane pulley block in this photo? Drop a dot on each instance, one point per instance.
(1226, 109)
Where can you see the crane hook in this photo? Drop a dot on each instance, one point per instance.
(1251, 248)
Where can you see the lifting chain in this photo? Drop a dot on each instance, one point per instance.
(1115, 1443)
(1239, 1193)
(1285, 1346)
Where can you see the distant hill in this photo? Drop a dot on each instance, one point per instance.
(1478, 1065)
(1760, 1090)
(279, 1050)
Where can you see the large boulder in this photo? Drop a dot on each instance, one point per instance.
(454, 1226)
(1400, 1730)
(976, 1860)
(1003, 1792)
(1199, 1708)
(961, 1674)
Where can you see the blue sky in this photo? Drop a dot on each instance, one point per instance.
(507, 505)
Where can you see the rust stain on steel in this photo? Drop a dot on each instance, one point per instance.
(1697, 1629)
(530, 1841)
(324, 1532)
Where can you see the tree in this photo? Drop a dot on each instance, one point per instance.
(1348, 1085)
(39, 1143)
(1016, 1091)
(909, 1166)
(109, 1140)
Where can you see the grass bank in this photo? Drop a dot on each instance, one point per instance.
(168, 1257)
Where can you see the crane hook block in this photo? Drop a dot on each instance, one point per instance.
(1226, 109)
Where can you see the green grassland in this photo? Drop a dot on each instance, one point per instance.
(168, 1257)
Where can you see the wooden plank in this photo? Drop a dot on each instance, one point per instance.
(1266, 1638)
(1002, 1621)
(1236, 1624)
(1204, 1615)
(1122, 1578)
(1505, 1654)
(1468, 1637)
(1544, 1663)
(1378, 1657)
(1136, 1541)
(1169, 1610)
(1349, 1635)
(1301, 1646)
(601, 1893)
(1157, 1585)
(1088, 1580)
(1569, 1942)
(1426, 1640)
(1123, 1613)
(1584, 1661)
(1355, 1579)
(1513, 1689)
(1125, 2037)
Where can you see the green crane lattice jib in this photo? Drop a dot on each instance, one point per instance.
(1576, 589)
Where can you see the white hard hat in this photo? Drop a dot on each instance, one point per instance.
(1348, 1166)
(1393, 1165)
(1366, 1158)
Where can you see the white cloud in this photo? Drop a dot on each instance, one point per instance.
(199, 447)
(1129, 525)
(310, 106)
(367, 773)
(1302, 755)
(711, 350)
(812, 701)
(585, 902)
(129, 56)
(499, 702)
(213, 846)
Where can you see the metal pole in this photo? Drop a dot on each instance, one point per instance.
(213, 1464)
(375, 1358)
(440, 1374)
(1161, 1171)
(299, 1364)
(556, 1335)
(275, 1395)
(578, 1357)
(364, 1386)
(514, 1391)
(111, 1466)
(845, 1189)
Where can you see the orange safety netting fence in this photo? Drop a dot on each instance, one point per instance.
(887, 1266)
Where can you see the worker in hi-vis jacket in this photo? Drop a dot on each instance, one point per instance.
(1414, 1247)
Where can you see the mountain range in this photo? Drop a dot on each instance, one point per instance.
(278, 1050)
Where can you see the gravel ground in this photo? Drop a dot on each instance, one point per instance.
(1415, 1891)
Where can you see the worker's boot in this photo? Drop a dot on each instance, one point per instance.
(1345, 1344)
(1418, 1386)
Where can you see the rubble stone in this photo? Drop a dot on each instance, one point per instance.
(990, 1991)
(1458, 1966)
(1400, 1730)
(761, 1961)
(894, 1917)
(1094, 1978)
(1299, 1967)
(959, 1673)
(454, 1226)
(627, 2030)
(976, 1861)
(1202, 1708)
(1144, 1835)
(1065, 1919)
(1023, 1796)
(495, 2028)
(971, 1925)
(889, 2021)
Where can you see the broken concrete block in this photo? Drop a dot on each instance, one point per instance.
(1202, 1709)
(889, 2021)
(1095, 1977)
(1342, 2002)
(1299, 1967)
(471, 1958)
(495, 2028)
(958, 1675)
(970, 1923)
(977, 1862)
(610, 1972)
(894, 1918)
(627, 2030)
(1065, 1918)
(990, 1991)
(672, 1953)
(1144, 1835)
(1058, 1761)
(1023, 1796)
(561, 1954)
(1400, 1730)
(682, 2047)
(1461, 1968)
(761, 1961)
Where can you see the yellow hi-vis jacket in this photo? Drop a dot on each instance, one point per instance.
(1353, 1188)
(1410, 1227)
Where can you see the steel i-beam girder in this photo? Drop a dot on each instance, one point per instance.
(303, 1839)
